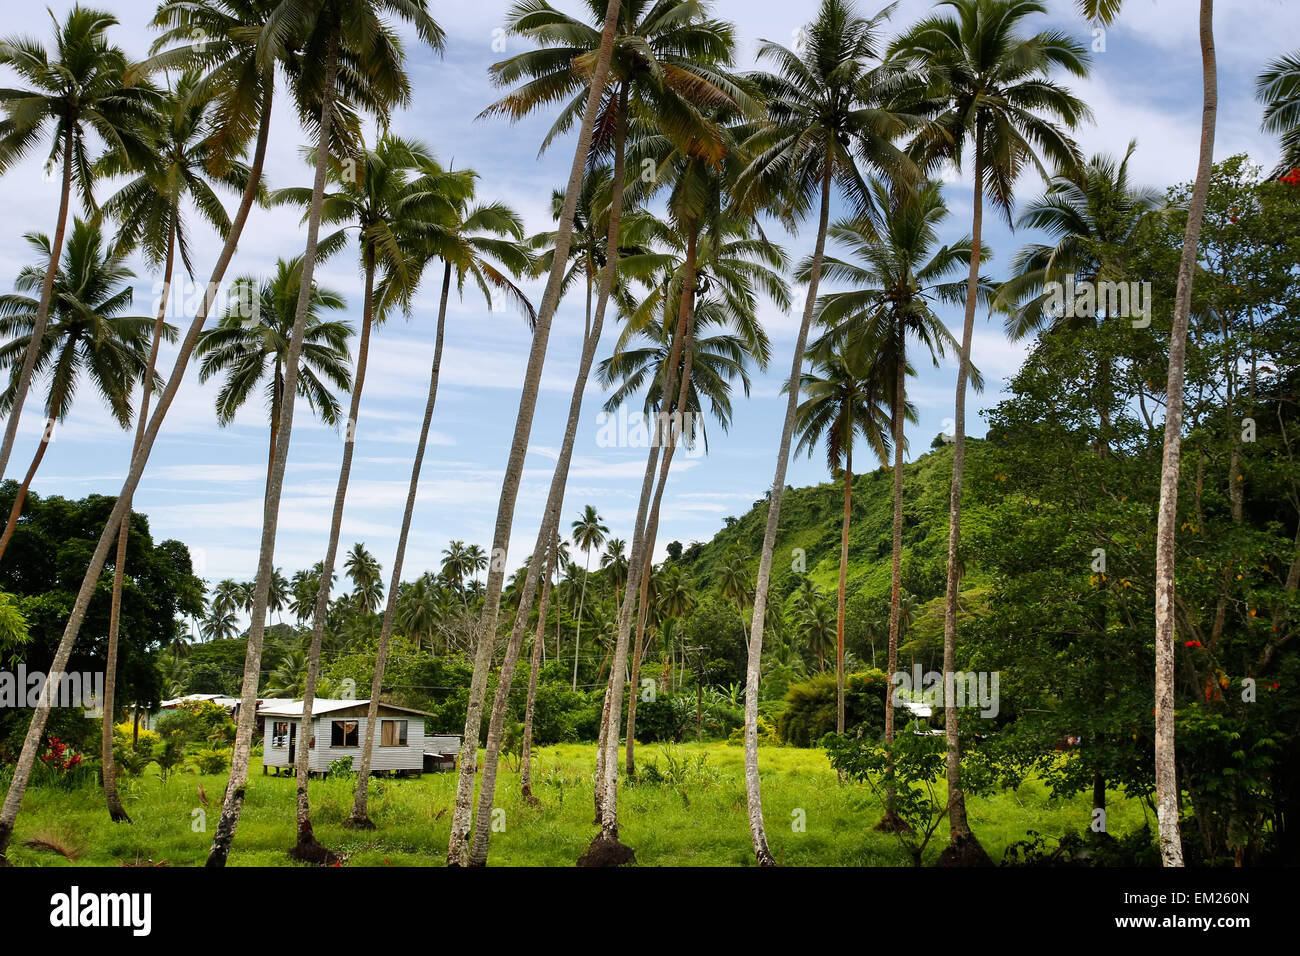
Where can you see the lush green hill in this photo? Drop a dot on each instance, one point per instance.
(810, 527)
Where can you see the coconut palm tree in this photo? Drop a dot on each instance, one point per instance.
(662, 56)
(700, 179)
(220, 624)
(815, 625)
(1166, 770)
(253, 354)
(376, 197)
(824, 117)
(150, 212)
(847, 396)
(896, 274)
(342, 42)
(80, 89)
(1095, 217)
(89, 338)
(987, 89)
(588, 533)
(417, 612)
(1278, 88)
(481, 243)
(366, 576)
(221, 39)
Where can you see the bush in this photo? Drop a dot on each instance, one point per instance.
(810, 711)
(212, 761)
(198, 721)
(340, 769)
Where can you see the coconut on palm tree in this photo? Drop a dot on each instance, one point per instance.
(988, 92)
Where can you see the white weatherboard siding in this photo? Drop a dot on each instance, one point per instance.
(410, 757)
(275, 750)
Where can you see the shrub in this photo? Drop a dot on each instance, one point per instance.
(212, 761)
(810, 711)
(339, 769)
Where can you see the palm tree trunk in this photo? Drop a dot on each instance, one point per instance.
(116, 812)
(89, 582)
(605, 847)
(19, 498)
(896, 551)
(961, 840)
(277, 393)
(307, 848)
(458, 845)
(42, 309)
(555, 501)
(652, 525)
(1166, 774)
(526, 751)
(598, 789)
(360, 817)
(843, 587)
(233, 802)
(577, 637)
(753, 795)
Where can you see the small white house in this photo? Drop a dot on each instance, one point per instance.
(339, 730)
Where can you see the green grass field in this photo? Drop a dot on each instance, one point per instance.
(699, 821)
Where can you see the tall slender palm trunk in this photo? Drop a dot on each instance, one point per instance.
(16, 511)
(1166, 771)
(116, 812)
(754, 660)
(605, 848)
(42, 308)
(961, 839)
(233, 802)
(307, 848)
(36, 729)
(534, 669)
(360, 817)
(843, 588)
(897, 412)
(554, 503)
(458, 844)
(652, 525)
(577, 635)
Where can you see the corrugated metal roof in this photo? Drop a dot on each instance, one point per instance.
(325, 705)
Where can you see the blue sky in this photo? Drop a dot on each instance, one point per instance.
(204, 483)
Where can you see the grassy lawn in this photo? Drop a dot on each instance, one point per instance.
(697, 821)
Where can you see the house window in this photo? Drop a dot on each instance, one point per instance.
(280, 733)
(392, 733)
(343, 733)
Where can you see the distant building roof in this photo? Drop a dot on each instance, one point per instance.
(219, 699)
(325, 705)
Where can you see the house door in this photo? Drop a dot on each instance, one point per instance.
(293, 738)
